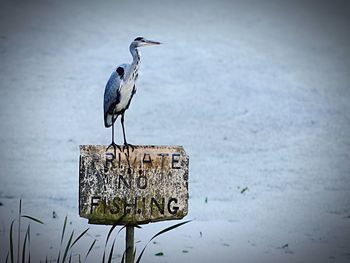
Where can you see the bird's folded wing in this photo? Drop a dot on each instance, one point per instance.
(111, 96)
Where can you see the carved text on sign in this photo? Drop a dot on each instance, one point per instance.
(151, 184)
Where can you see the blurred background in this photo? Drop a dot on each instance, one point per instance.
(256, 91)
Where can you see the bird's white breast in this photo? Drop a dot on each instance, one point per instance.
(125, 95)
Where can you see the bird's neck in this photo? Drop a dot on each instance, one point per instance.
(135, 53)
(135, 59)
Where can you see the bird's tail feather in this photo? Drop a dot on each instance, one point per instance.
(109, 120)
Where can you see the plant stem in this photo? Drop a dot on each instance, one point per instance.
(19, 229)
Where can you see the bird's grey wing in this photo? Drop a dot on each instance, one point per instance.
(111, 97)
(122, 70)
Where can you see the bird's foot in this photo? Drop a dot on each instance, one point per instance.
(127, 146)
(115, 146)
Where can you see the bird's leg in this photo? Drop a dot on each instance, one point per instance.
(113, 144)
(126, 145)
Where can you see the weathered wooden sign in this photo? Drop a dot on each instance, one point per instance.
(150, 184)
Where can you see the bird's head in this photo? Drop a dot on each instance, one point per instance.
(140, 42)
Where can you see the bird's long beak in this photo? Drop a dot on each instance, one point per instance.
(151, 42)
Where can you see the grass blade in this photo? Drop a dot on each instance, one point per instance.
(80, 236)
(92, 245)
(33, 218)
(109, 234)
(67, 247)
(19, 229)
(24, 246)
(64, 229)
(134, 256)
(169, 228)
(123, 256)
(11, 241)
(62, 236)
(7, 257)
(28, 235)
(159, 233)
(121, 229)
(111, 252)
(70, 258)
(28, 243)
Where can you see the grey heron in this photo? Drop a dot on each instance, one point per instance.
(120, 89)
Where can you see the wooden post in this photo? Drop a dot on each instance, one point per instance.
(129, 244)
